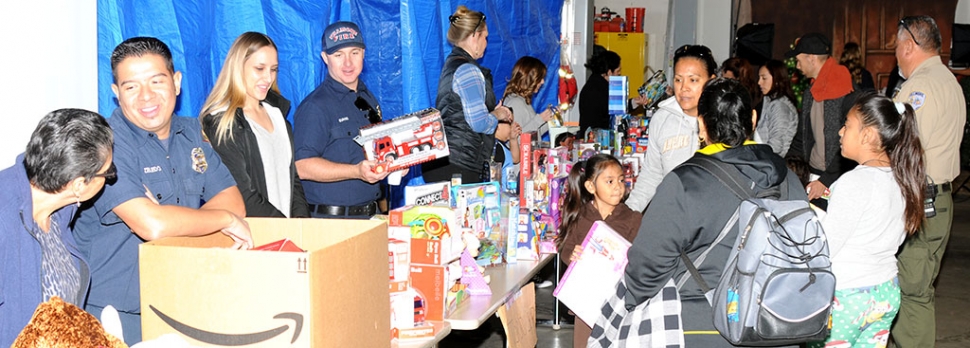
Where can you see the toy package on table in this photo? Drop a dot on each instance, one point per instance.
(399, 263)
(479, 217)
(587, 150)
(435, 193)
(408, 316)
(473, 276)
(511, 205)
(440, 287)
(526, 236)
(525, 162)
(631, 169)
(558, 189)
(433, 231)
(405, 141)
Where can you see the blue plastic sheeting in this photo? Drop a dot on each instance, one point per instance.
(405, 39)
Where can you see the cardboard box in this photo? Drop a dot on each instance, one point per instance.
(333, 295)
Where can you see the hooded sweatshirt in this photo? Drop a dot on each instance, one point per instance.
(673, 139)
(690, 209)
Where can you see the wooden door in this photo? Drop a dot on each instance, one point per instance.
(871, 23)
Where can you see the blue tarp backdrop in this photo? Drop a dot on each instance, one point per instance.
(405, 40)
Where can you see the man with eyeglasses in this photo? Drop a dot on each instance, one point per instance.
(338, 181)
(936, 96)
(824, 107)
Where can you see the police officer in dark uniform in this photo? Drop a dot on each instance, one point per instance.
(166, 170)
(339, 182)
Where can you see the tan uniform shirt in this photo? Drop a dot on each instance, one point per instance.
(940, 114)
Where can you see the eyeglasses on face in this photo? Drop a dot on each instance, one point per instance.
(110, 174)
(902, 22)
(372, 114)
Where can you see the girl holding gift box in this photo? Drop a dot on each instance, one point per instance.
(596, 193)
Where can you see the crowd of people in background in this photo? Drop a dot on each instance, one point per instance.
(891, 153)
(88, 190)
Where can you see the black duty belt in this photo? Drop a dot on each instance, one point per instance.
(368, 209)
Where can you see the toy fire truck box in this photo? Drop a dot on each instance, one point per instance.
(478, 212)
(399, 263)
(408, 316)
(199, 289)
(434, 233)
(435, 193)
(439, 286)
(405, 141)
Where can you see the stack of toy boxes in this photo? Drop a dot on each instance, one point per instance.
(407, 307)
(435, 248)
(539, 217)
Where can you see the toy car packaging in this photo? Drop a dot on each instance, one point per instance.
(405, 141)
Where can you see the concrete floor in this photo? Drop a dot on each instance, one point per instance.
(952, 300)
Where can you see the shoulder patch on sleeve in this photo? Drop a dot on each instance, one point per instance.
(916, 99)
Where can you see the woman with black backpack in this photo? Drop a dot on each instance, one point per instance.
(691, 208)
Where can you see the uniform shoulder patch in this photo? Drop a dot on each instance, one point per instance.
(916, 99)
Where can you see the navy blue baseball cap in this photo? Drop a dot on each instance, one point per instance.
(341, 34)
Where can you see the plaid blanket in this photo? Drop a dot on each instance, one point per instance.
(654, 323)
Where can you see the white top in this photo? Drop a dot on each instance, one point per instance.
(864, 227)
(525, 114)
(276, 151)
(673, 140)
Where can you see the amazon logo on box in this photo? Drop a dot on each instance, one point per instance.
(216, 297)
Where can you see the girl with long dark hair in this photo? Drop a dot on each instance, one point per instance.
(596, 193)
(871, 210)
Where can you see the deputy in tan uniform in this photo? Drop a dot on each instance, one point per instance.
(936, 96)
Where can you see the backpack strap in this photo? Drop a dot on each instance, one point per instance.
(700, 259)
(729, 176)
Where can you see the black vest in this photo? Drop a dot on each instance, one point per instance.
(469, 150)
